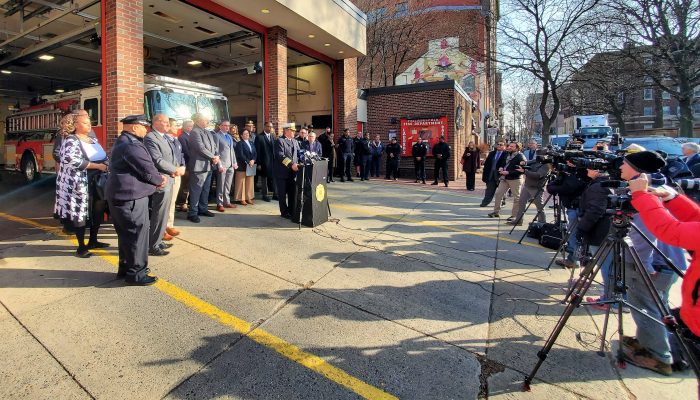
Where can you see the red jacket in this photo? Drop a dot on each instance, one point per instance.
(681, 228)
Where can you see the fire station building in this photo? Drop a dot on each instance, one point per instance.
(264, 60)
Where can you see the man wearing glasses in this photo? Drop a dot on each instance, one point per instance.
(494, 161)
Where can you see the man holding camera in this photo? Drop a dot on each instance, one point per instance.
(536, 173)
(509, 178)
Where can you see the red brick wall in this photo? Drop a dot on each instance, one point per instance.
(346, 72)
(276, 96)
(381, 108)
(123, 42)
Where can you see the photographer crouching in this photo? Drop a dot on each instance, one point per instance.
(675, 220)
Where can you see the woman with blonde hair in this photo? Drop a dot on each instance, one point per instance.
(81, 159)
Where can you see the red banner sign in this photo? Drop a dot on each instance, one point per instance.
(430, 129)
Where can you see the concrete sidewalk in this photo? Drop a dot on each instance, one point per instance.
(409, 292)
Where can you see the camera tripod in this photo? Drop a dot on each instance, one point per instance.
(615, 243)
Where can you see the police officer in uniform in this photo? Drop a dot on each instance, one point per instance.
(419, 151)
(133, 177)
(285, 169)
(393, 157)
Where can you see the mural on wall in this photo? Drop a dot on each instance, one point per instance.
(444, 61)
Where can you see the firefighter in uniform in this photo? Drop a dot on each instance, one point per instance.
(393, 157)
(285, 169)
(133, 177)
(419, 151)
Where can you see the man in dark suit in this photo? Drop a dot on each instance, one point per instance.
(494, 161)
(133, 177)
(183, 196)
(163, 156)
(204, 158)
(328, 147)
(285, 169)
(441, 151)
(265, 147)
(346, 151)
(419, 151)
(364, 152)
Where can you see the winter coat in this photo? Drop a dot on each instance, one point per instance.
(471, 160)
(593, 222)
(678, 224)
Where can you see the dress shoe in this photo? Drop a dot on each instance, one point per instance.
(483, 205)
(351, 180)
(275, 198)
(287, 216)
(83, 253)
(512, 222)
(97, 245)
(243, 203)
(493, 215)
(166, 245)
(158, 252)
(220, 209)
(424, 182)
(342, 179)
(166, 236)
(172, 231)
(251, 202)
(434, 183)
(445, 184)
(193, 218)
(207, 213)
(267, 199)
(229, 205)
(145, 281)
(509, 219)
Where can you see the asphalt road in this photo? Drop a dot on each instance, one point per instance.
(409, 292)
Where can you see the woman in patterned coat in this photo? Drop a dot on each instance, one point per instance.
(72, 190)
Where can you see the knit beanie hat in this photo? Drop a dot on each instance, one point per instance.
(645, 161)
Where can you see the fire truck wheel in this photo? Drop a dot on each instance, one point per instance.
(28, 168)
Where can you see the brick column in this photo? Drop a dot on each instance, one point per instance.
(346, 72)
(123, 42)
(276, 96)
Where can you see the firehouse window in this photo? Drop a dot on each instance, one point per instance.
(92, 106)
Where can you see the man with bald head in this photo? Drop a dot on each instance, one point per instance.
(204, 159)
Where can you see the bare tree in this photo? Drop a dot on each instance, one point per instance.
(607, 84)
(550, 40)
(392, 35)
(667, 35)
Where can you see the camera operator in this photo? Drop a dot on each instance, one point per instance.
(674, 219)
(651, 348)
(536, 173)
(569, 185)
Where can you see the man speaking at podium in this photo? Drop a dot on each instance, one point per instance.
(285, 169)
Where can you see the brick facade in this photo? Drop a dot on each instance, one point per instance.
(276, 96)
(123, 42)
(423, 100)
(346, 73)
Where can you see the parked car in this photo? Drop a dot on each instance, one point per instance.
(671, 146)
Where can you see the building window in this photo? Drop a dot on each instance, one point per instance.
(649, 79)
(401, 9)
(648, 111)
(648, 126)
(696, 92)
(621, 97)
(648, 94)
(696, 109)
(667, 111)
(666, 95)
(376, 14)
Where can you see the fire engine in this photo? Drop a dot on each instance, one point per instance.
(31, 131)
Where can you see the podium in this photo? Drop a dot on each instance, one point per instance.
(315, 194)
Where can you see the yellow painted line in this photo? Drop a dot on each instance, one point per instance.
(362, 210)
(259, 336)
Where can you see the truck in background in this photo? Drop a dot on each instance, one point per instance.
(31, 130)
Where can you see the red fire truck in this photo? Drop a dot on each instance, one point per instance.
(31, 130)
